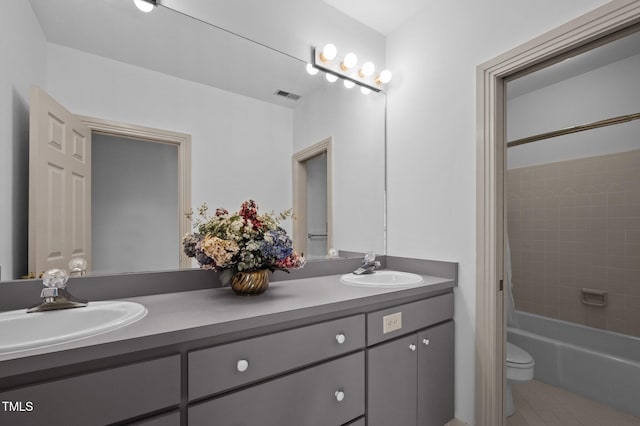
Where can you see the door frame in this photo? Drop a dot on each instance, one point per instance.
(300, 193)
(182, 141)
(490, 208)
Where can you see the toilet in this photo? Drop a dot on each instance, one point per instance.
(519, 369)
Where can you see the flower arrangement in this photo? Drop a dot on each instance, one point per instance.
(242, 241)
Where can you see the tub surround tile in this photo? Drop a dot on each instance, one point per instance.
(575, 224)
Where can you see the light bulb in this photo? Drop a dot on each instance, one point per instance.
(365, 90)
(367, 69)
(350, 60)
(349, 84)
(329, 52)
(331, 78)
(312, 70)
(384, 77)
(144, 6)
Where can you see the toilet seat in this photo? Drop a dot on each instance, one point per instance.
(518, 356)
(519, 363)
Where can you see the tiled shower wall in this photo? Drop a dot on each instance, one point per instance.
(576, 224)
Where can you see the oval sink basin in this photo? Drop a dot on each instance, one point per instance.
(22, 331)
(382, 279)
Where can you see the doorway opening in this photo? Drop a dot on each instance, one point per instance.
(61, 184)
(156, 148)
(312, 200)
(490, 271)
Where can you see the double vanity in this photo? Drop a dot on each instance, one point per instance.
(315, 349)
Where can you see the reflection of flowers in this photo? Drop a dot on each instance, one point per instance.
(243, 241)
(221, 251)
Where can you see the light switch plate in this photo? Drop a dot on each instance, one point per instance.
(391, 322)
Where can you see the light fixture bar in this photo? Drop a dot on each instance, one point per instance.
(333, 67)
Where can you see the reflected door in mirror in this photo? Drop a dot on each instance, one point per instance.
(59, 185)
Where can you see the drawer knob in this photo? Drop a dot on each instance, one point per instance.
(426, 342)
(242, 365)
(412, 347)
(341, 338)
(339, 396)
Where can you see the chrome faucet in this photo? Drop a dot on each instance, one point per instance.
(369, 264)
(55, 294)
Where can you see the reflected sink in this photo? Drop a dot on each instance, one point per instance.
(22, 331)
(382, 279)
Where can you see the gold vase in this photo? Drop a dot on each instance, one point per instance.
(250, 283)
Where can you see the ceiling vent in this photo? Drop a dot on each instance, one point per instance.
(287, 95)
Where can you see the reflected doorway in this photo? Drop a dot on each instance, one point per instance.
(312, 200)
(134, 204)
(61, 219)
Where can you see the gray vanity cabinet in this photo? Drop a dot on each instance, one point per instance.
(411, 379)
(99, 398)
(410, 359)
(436, 374)
(329, 394)
(392, 383)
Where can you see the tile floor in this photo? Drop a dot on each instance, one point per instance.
(539, 404)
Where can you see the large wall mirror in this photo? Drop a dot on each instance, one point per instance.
(235, 97)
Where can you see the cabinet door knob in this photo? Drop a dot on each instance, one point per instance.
(412, 347)
(242, 365)
(339, 395)
(426, 342)
(341, 338)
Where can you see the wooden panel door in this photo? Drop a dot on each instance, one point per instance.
(59, 185)
(436, 375)
(392, 383)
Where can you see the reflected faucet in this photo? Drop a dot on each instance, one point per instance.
(369, 264)
(55, 294)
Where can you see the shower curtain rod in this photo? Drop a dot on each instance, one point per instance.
(575, 129)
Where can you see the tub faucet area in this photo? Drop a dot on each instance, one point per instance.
(369, 264)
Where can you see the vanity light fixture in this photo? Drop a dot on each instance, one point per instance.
(331, 78)
(312, 70)
(384, 77)
(329, 52)
(350, 60)
(367, 70)
(335, 67)
(145, 5)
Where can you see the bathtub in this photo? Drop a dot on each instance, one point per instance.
(598, 364)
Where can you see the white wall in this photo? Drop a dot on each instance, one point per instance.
(241, 147)
(432, 138)
(355, 122)
(606, 92)
(290, 26)
(22, 54)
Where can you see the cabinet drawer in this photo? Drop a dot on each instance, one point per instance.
(224, 367)
(309, 397)
(408, 318)
(99, 398)
(169, 419)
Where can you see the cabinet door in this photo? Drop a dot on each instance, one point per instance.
(436, 375)
(392, 383)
